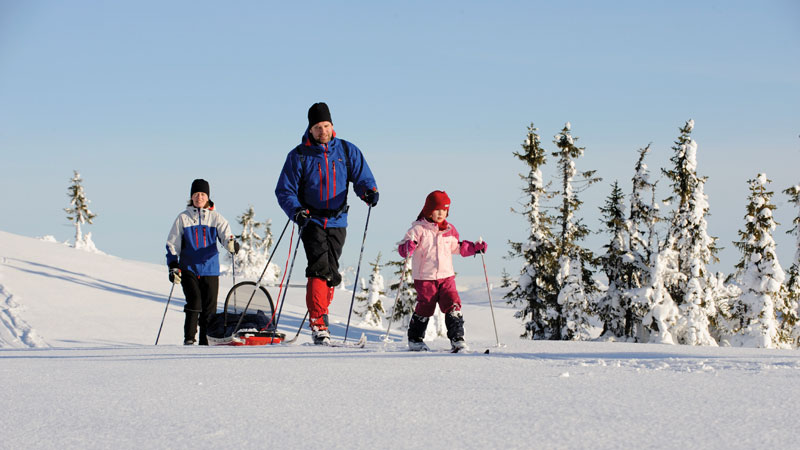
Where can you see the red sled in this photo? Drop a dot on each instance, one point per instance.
(235, 326)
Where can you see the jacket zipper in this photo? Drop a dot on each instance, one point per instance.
(327, 186)
(319, 171)
(327, 181)
(196, 236)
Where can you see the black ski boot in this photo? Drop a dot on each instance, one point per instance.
(454, 321)
(416, 333)
(190, 327)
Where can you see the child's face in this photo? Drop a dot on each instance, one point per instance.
(438, 215)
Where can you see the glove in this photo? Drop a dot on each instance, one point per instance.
(371, 197)
(406, 249)
(302, 216)
(175, 276)
(471, 248)
(233, 246)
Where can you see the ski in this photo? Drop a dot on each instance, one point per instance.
(469, 351)
(361, 343)
(462, 351)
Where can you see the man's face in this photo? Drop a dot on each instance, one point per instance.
(322, 132)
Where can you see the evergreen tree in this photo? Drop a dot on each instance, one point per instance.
(78, 213)
(613, 307)
(370, 299)
(643, 247)
(692, 290)
(759, 275)
(643, 219)
(535, 288)
(790, 322)
(254, 248)
(655, 304)
(574, 280)
(406, 298)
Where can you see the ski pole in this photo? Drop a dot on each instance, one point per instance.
(296, 335)
(258, 283)
(399, 290)
(358, 269)
(233, 274)
(165, 313)
(489, 291)
(281, 285)
(289, 275)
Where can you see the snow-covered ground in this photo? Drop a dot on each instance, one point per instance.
(78, 369)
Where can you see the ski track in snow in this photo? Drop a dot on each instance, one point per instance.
(14, 331)
(633, 361)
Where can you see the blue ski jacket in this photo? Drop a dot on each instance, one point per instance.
(315, 177)
(192, 241)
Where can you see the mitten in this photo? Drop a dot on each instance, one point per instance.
(233, 246)
(406, 249)
(467, 248)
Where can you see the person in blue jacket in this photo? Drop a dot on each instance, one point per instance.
(312, 190)
(193, 258)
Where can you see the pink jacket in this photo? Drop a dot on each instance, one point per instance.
(433, 257)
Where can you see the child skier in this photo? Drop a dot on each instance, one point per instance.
(193, 258)
(432, 241)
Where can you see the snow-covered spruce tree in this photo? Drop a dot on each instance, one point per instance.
(254, 252)
(643, 219)
(370, 299)
(759, 274)
(613, 307)
(535, 288)
(78, 213)
(659, 312)
(643, 247)
(692, 290)
(790, 322)
(575, 283)
(407, 296)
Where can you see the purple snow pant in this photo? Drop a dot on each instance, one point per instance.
(431, 292)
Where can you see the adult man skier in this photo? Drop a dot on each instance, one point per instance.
(312, 190)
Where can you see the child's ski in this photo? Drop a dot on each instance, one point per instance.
(360, 344)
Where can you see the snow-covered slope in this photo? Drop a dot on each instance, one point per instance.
(78, 370)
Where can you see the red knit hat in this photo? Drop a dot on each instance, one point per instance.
(435, 200)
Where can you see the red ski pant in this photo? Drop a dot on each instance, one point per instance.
(318, 298)
(432, 292)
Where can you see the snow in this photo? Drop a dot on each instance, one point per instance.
(79, 370)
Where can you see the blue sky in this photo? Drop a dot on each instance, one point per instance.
(142, 97)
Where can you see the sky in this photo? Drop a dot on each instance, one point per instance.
(143, 97)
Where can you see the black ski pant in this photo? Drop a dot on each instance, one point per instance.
(323, 248)
(201, 302)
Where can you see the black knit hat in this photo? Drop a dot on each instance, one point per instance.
(200, 185)
(318, 112)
